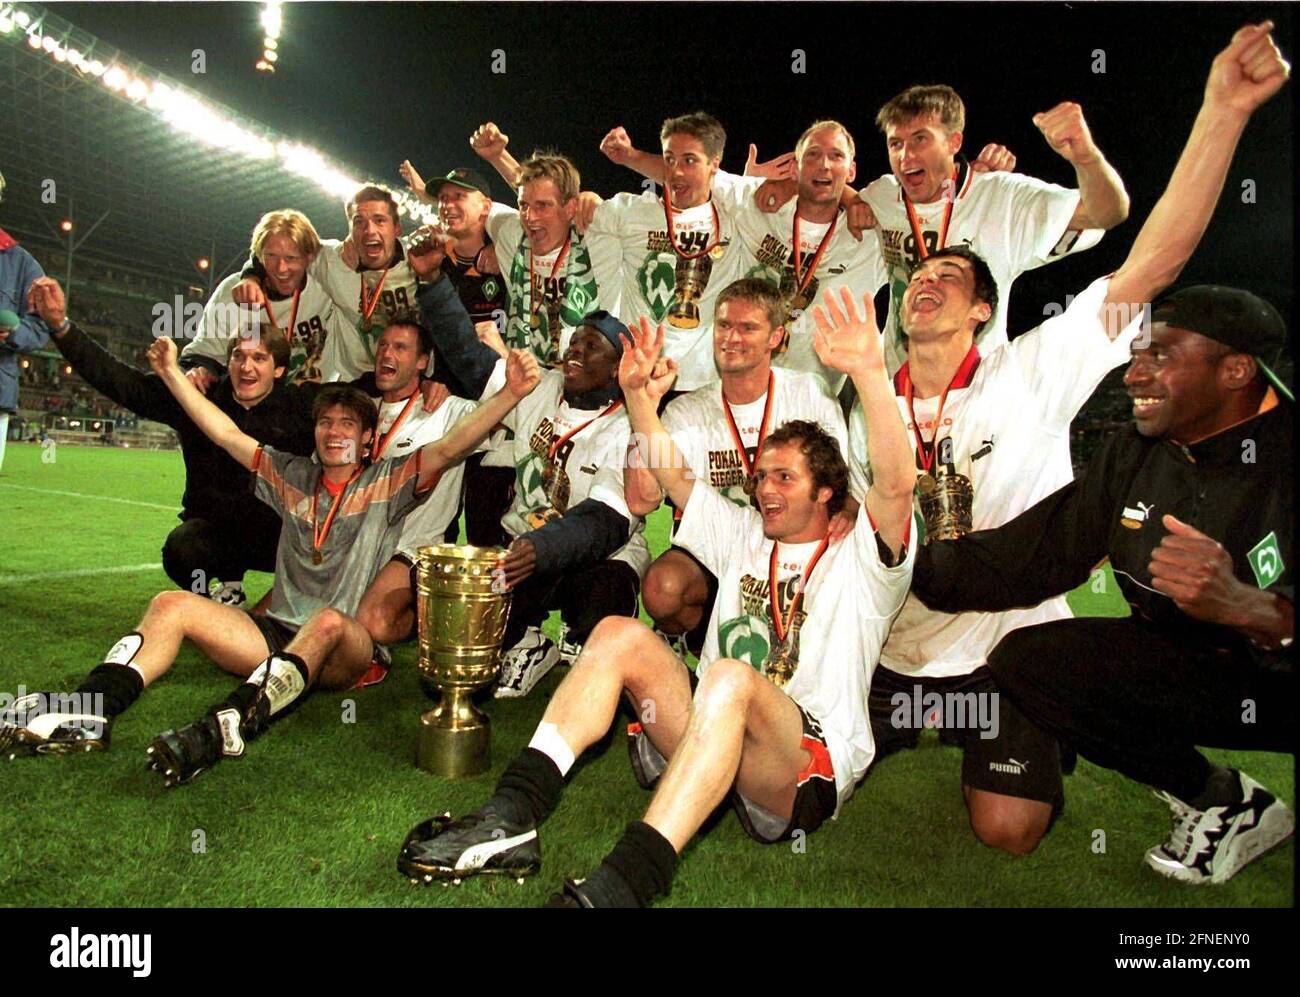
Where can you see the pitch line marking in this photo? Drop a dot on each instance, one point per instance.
(50, 576)
(84, 495)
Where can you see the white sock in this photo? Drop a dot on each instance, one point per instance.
(548, 741)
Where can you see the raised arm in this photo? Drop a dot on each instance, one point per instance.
(489, 143)
(215, 424)
(852, 345)
(1244, 75)
(1103, 201)
(645, 379)
(617, 147)
(522, 375)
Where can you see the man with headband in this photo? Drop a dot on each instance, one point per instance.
(1194, 507)
(575, 546)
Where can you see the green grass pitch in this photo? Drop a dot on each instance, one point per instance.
(314, 813)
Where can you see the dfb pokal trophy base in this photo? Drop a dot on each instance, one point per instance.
(462, 620)
(455, 738)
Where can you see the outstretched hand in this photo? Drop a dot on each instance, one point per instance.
(489, 141)
(783, 167)
(1248, 72)
(427, 249)
(642, 367)
(523, 373)
(617, 146)
(414, 182)
(163, 357)
(845, 341)
(1067, 133)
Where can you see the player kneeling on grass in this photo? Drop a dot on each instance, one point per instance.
(339, 513)
(779, 718)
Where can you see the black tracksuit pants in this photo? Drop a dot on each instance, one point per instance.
(1135, 698)
(584, 597)
(219, 550)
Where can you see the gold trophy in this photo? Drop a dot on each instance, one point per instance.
(689, 281)
(462, 618)
(946, 502)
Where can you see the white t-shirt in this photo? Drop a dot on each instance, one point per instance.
(698, 424)
(837, 634)
(1010, 430)
(387, 292)
(769, 255)
(310, 327)
(1015, 222)
(647, 265)
(567, 289)
(428, 522)
(587, 465)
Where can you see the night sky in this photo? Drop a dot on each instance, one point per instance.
(371, 84)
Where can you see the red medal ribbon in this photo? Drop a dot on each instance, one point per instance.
(762, 429)
(710, 244)
(913, 220)
(801, 277)
(535, 306)
(962, 376)
(293, 315)
(550, 454)
(782, 626)
(392, 430)
(368, 304)
(319, 533)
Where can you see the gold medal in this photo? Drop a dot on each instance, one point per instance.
(317, 557)
(778, 668)
(926, 483)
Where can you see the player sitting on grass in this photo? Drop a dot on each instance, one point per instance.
(720, 430)
(339, 514)
(779, 718)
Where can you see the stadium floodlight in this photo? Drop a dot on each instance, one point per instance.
(34, 40)
(272, 20)
(138, 89)
(65, 225)
(6, 25)
(271, 43)
(115, 78)
(96, 67)
(270, 56)
(203, 263)
(263, 66)
(22, 19)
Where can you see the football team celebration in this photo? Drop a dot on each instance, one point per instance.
(750, 475)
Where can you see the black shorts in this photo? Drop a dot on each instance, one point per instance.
(276, 634)
(1002, 751)
(695, 637)
(814, 797)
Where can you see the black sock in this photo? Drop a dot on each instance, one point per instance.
(643, 860)
(1222, 788)
(119, 685)
(529, 788)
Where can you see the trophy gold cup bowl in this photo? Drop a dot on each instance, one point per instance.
(692, 277)
(947, 505)
(462, 619)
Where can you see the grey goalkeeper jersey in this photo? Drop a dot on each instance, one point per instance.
(362, 537)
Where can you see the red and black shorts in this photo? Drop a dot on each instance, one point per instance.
(814, 799)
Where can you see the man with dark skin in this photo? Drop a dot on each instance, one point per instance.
(575, 546)
(1193, 506)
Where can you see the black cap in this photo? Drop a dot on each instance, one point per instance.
(1241, 321)
(461, 177)
(608, 326)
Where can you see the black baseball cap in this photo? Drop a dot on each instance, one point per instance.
(461, 177)
(609, 327)
(1241, 321)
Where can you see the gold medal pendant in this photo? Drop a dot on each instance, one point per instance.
(926, 483)
(779, 669)
(317, 557)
